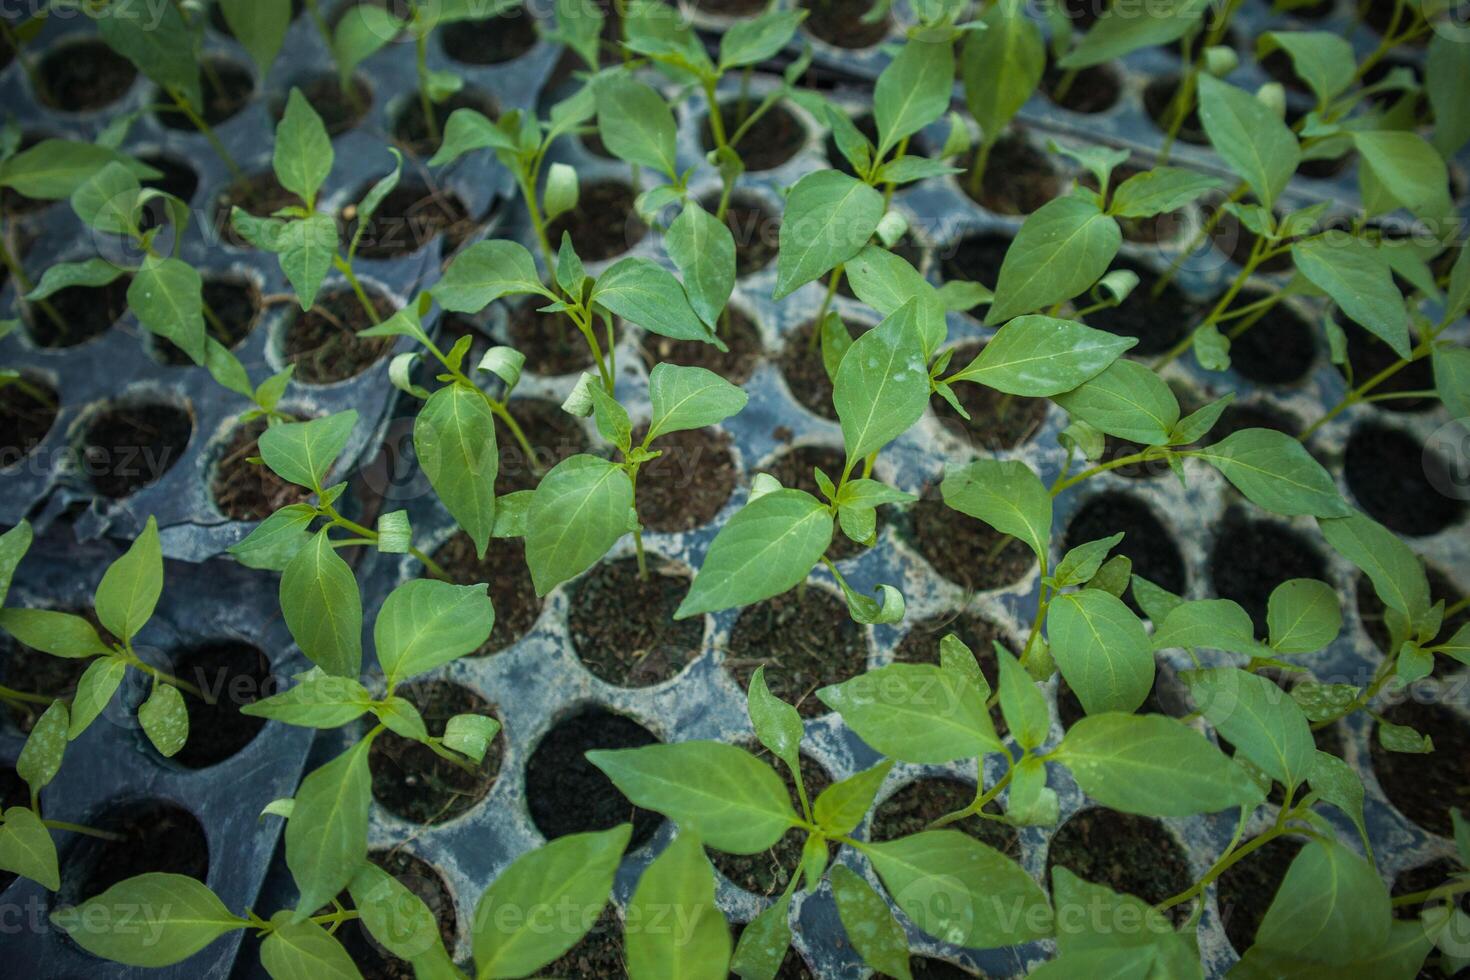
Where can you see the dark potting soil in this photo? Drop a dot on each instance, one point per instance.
(1245, 890)
(997, 420)
(806, 376)
(157, 836)
(1158, 98)
(840, 23)
(1370, 611)
(1368, 356)
(373, 961)
(1019, 177)
(179, 178)
(1166, 697)
(1145, 542)
(597, 955)
(227, 87)
(928, 968)
(1134, 855)
(1278, 65)
(735, 365)
(730, 8)
(324, 344)
(603, 224)
(623, 626)
(84, 312)
(1279, 349)
(685, 487)
(412, 216)
(13, 792)
(411, 130)
(25, 669)
(129, 446)
(866, 125)
(914, 806)
(1425, 787)
(551, 341)
(340, 111)
(1235, 240)
(566, 794)
(1158, 322)
(767, 872)
(26, 416)
(771, 140)
(1250, 558)
(921, 646)
(233, 674)
(964, 550)
(805, 640)
(258, 194)
(418, 785)
(1164, 227)
(1388, 473)
(1252, 415)
(504, 569)
(553, 435)
(1093, 90)
(1083, 13)
(1380, 15)
(755, 229)
(490, 40)
(247, 491)
(235, 302)
(977, 258)
(794, 469)
(84, 76)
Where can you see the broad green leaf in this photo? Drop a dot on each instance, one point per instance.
(646, 294)
(1121, 31)
(53, 169)
(680, 878)
(1322, 59)
(870, 925)
(580, 509)
(1303, 616)
(394, 916)
(1331, 906)
(703, 249)
(425, 623)
(1274, 471)
(1197, 424)
(886, 282)
(1005, 494)
(912, 91)
(454, 441)
(483, 273)
(777, 724)
(748, 41)
(915, 713)
(1153, 765)
(323, 608)
(166, 295)
(1101, 649)
(277, 539)
(1452, 380)
(373, 200)
(1001, 65)
(1030, 802)
(108, 200)
(882, 384)
(732, 800)
(1159, 191)
(129, 590)
(1259, 718)
(764, 941)
(1063, 247)
(1021, 702)
(304, 951)
(1156, 602)
(158, 41)
(26, 848)
(1357, 278)
(961, 891)
(470, 735)
(1119, 921)
(636, 124)
(306, 249)
(1339, 784)
(260, 26)
(165, 720)
(767, 547)
(689, 398)
(303, 152)
(1447, 60)
(829, 217)
(185, 916)
(40, 758)
(1042, 356)
(840, 807)
(318, 700)
(1081, 563)
(1396, 573)
(362, 32)
(57, 633)
(64, 275)
(326, 837)
(468, 131)
(1128, 401)
(1249, 137)
(303, 452)
(577, 870)
(1400, 169)
(1121, 963)
(1209, 624)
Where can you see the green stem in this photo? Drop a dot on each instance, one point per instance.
(23, 284)
(1360, 393)
(1069, 482)
(426, 105)
(1223, 864)
(1256, 256)
(981, 799)
(345, 267)
(1443, 891)
(978, 165)
(78, 828)
(134, 660)
(1209, 226)
(815, 341)
(208, 131)
(11, 694)
(538, 223)
(502, 411)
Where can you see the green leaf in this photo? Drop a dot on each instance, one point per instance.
(915, 713)
(108, 200)
(1001, 65)
(912, 91)
(1197, 424)
(680, 878)
(1399, 169)
(425, 623)
(326, 837)
(303, 452)
(1101, 649)
(1331, 906)
(1274, 471)
(1005, 494)
(1120, 31)
(777, 724)
(363, 31)
(689, 398)
(1021, 702)
(53, 169)
(1081, 563)
(1396, 573)
(306, 249)
(470, 735)
(303, 152)
(1357, 278)
(373, 200)
(703, 249)
(1128, 401)
(57, 633)
(260, 26)
(165, 720)
(468, 131)
(1249, 137)
(576, 870)
(454, 441)
(579, 27)
(764, 941)
(1259, 718)
(166, 296)
(184, 917)
(1152, 765)
(646, 294)
(1156, 602)
(829, 217)
(26, 848)
(1322, 59)
(40, 758)
(580, 509)
(870, 925)
(318, 700)
(1213, 624)
(748, 41)
(277, 539)
(129, 590)
(1117, 922)
(322, 607)
(304, 950)
(1041, 356)
(1452, 380)
(767, 547)
(731, 799)
(613, 422)
(882, 384)
(64, 275)
(1063, 247)
(157, 40)
(1339, 784)
(961, 891)
(1159, 191)
(483, 273)
(636, 124)
(1303, 616)
(394, 916)
(841, 807)
(1447, 59)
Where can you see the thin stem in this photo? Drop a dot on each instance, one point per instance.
(1223, 864)
(345, 267)
(1209, 226)
(890, 186)
(1257, 252)
(814, 342)
(79, 828)
(1069, 482)
(1361, 392)
(978, 165)
(979, 803)
(502, 412)
(23, 284)
(538, 223)
(584, 324)
(435, 569)
(426, 105)
(11, 694)
(1443, 891)
(208, 131)
(135, 661)
(716, 117)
